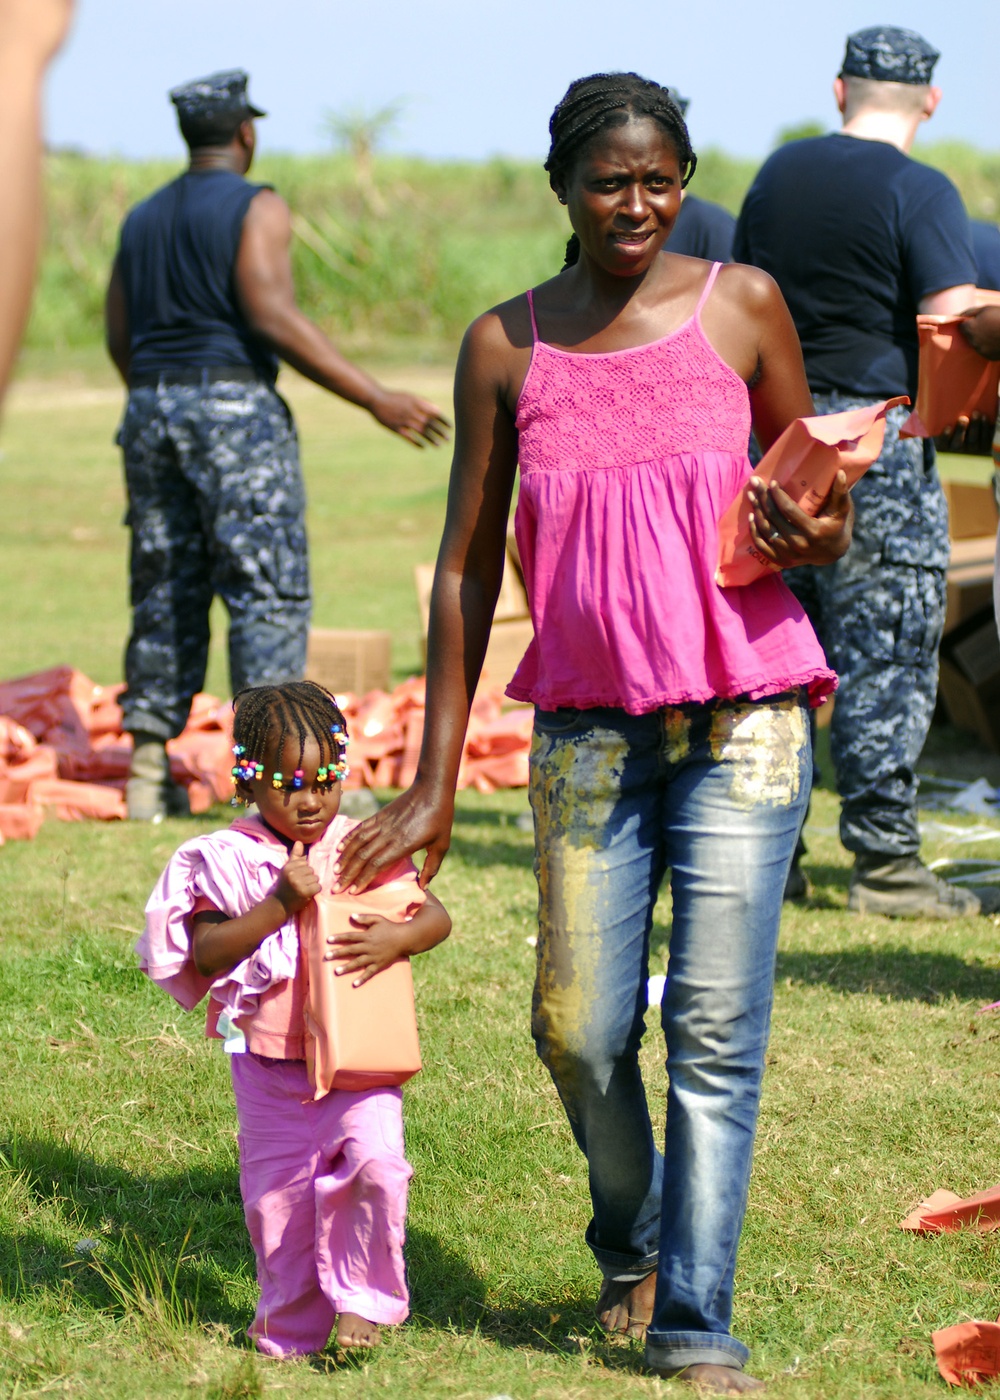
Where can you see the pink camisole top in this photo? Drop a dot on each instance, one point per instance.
(628, 459)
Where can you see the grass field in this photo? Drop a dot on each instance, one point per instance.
(409, 259)
(124, 1266)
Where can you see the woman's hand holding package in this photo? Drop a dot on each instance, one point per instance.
(417, 820)
(975, 434)
(786, 536)
(982, 331)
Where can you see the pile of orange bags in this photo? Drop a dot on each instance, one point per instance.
(62, 747)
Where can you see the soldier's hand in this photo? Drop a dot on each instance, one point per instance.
(783, 533)
(412, 418)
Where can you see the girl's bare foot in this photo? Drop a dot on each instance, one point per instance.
(627, 1307)
(711, 1380)
(353, 1330)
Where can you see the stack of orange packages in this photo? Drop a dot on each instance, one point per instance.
(62, 747)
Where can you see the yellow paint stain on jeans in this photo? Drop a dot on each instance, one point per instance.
(676, 735)
(763, 744)
(573, 787)
(568, 956)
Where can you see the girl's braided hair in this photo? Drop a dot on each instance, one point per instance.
(270, 714)
(592, 105)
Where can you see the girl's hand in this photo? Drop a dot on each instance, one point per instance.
(375, 946)
(785, 535)
(298, 883)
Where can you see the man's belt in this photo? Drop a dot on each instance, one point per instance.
(217, 374)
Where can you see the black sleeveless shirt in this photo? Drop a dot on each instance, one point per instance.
(176, 256)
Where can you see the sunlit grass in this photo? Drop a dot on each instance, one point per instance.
(125, 1270)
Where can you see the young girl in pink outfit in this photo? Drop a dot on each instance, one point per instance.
(324, 1182)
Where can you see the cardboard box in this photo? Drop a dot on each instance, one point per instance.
(349, 660)
(513, 550)
(970, 677)
(511, 631)
(508, 643)
(972, 510)
(511, 604)
(970, 579)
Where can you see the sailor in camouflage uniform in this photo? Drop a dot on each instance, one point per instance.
(860, 238)
(879, 613)
(200, 307)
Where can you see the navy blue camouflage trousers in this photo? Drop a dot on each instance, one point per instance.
(216, 506)
(879, 613)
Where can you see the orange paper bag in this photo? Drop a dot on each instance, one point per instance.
(944, 1211)
(357, 1037)
(804, 462)
(968, 1353)
(953, 381)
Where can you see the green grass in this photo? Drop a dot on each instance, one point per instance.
(402, 271)
(374, 500)
(125, 1270)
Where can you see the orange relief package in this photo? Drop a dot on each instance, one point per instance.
(804, 462)
(968, 1353)
(953, 381)
(358, 1037)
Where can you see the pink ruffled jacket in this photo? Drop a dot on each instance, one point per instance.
(233, 870)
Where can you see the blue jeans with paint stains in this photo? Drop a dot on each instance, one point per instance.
(716, 794)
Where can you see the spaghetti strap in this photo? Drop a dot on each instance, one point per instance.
(531, 312)
(709, 283)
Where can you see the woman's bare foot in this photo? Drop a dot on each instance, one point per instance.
(627, 1307)
(711, 1380)
(353, 1330)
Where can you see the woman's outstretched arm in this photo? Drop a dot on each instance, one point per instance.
(466, 584)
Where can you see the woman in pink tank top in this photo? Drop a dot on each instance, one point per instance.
(670, 722)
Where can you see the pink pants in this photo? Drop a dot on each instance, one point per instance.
(324, 1193)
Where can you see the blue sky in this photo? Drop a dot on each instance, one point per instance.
(481, 77)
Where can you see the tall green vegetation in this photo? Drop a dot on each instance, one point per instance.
(403, 257)
(976, 173)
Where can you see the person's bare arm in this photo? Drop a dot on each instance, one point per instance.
(375, 943)
(952, 301)
(31, 31)
(267, 299)
(779, 394)
(116, 327)
(466, 584)
(219, 943)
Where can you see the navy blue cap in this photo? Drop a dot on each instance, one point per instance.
(889, 55)
(218, 95)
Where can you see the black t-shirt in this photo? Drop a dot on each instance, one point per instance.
(855, 233)
(703, 230)
(176, 256)
(986, 246)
